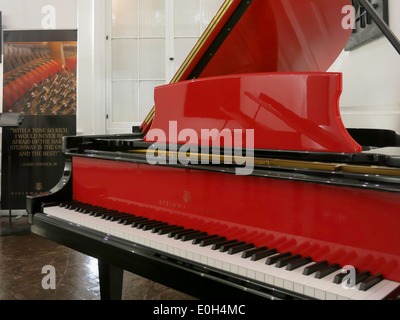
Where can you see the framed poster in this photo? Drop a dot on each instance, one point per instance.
(39, 82)
(1, 38)
(365, 29)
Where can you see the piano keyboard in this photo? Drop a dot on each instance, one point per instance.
(315, 279)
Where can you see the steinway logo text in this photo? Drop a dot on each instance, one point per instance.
(211, 150)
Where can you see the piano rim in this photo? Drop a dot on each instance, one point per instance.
(98, 245)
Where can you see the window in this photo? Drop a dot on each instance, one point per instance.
(148, 41)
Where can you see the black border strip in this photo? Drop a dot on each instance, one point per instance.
(40, 35)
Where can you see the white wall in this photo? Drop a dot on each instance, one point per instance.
(371, 96)
(27, 14)
(91, 67)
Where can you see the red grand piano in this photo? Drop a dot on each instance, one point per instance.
(242, 181)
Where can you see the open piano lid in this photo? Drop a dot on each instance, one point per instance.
(251, 36)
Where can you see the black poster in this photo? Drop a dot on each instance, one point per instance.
(39, 82)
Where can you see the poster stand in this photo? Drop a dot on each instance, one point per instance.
(11, 120)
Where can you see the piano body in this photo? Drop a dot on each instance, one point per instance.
(316, 218)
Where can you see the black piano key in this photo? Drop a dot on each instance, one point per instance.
(83, 207)
(275, 259)
(159, 227)
(70, 205)
(263, 254)
(98, 213)
(209, 242)
(370, 282)
(361, 276)
(249, 253)
(129, 220)
(86, 209)
(179, 235)
(113, 214)
(65, 204)
(298, 263)
(81, 204)
(150, 226)
(172, 234)
(137, 222)
(118, 217)
(226, 247)
(284, 262)
(127, 217)
(218, 245)
(167, 230)
(93, 210)
(146, 224)
(190, 237)
(140, 225)
(106, 215)
(340, 276)
(200, 239)
(326, 271)
(95, 213)
(314, 268)
(156, 226)
(239, 248)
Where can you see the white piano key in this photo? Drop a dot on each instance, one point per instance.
(295, 279)
(334, 291)
(382, 289)
(319, 287)
(353, 294)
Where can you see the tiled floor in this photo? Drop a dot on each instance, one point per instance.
(23, 257)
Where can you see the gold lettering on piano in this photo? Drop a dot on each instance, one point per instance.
(172, 204)
(185, 207)
(186, 197)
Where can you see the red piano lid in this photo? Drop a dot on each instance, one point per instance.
(269, 36)
(272, 36)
